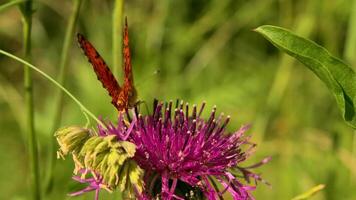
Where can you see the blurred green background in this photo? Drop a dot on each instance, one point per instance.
(204, 50)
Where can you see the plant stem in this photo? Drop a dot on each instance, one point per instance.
(81, 106)
(117, 17)
(32, 137)
(10, 4)
(349, 54)
(116, 35)
(59, 98)
(350, 45)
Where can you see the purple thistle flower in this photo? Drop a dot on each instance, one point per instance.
(176, 148)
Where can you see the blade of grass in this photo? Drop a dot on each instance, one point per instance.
(117, 19)
(10, 4)
(310, 192)
(26, 9)
(81, 106)
(350, 42)
(349, 55)
(59, 100)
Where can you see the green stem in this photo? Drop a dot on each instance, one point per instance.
(349, 54)
(10, 4)
(59, 99)
(350, 45)
(116, 35)
(26, 9)
(117, 17)
(82, 107)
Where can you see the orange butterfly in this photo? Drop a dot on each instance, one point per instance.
(122, 97)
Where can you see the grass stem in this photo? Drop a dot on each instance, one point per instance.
(68, 40)
(349, 55)
(10, 4)
(117, 19)
(350, 42)
(26, 9)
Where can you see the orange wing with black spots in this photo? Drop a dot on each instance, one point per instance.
(101, 69)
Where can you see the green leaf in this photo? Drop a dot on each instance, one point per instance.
(338, 76)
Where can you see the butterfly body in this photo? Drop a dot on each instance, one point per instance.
(122, 97)
(127, 97)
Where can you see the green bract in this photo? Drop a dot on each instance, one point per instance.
(71, 139)
(111, 158)
(338, 76)
(104, 155)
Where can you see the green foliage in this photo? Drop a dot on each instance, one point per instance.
(338, 76)
(204, 50)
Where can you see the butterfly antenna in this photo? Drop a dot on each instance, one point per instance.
(139, 102)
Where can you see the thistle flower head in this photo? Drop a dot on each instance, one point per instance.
(179, 148)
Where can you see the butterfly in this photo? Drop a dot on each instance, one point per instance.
(123, 97)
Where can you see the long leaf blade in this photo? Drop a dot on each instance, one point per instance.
(338, 76)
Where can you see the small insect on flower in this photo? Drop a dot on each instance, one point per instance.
(122, 97)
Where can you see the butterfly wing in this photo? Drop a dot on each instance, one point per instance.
(102, 71)
(128, 80)
(127, 55)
